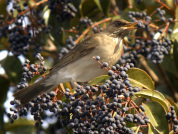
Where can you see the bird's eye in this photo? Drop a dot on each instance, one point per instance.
(118, 23)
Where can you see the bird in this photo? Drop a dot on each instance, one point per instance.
(78, 65)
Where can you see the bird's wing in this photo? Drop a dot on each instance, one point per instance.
(83, 48)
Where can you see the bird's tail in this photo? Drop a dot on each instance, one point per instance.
(29, 93)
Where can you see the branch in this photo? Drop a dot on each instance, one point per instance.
(149, 70)
(87, 30)
(168, 83)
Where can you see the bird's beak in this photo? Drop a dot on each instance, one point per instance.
(130, 26)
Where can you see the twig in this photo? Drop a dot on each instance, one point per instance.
(87, 30)
(167, 81)
(114, 6)
(36, 4)
(155, 11)
(150, 71)
(163, 5)
(129, 2)
(167, 26)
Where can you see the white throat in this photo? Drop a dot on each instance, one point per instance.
(116, 40)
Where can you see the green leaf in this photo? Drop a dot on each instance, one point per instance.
(150, 129)
(143, 4)
(150, 115)
(99, 80)
(21, 126)
(2, 130)
(69, 131)
(170, 4)
(46, 14)
(5, 83)
(134, 128)
(173, 104)
(88, 7)
(138, 100)
(136, 132)
(12, 66)
(31, 3)
(68, 85)
(4, 44)
(169, 65)
(98, 4)
(154, 96)
(157, 118)
(140, 79)
(3, 6)
(103, 5)
(174, 34)
(175, 54)
(172, 132)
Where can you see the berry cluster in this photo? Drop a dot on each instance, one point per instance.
(88, 23)
(91, 109)
(70, 43)
(159, 48)
(19, 39)
(129, 56)
(30, 70)
(3, 30)
(171, 117)
(20, 32)
(22, 35)
(63, 9)
(151, 47)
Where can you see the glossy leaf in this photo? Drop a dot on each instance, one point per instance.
(172, 132)
(69, 131)
(142, 4)
(2, 130)
(20, 126)
(13, 68)
(157, 120)
(68, 85)
(138, 100)
(4, 44)
(5, 83)
(150, 129)
(58, 37)
(60, 95)
(173, 104)
(175, 54)
(140, 79)
(103, 6)
(174, 34)
(88, 7)
(98, 4)
(99, 80)
(169, 65)
(170, 4)
(136, 132)
(154, 96)
(3, 8)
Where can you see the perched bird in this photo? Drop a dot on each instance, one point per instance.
(78, 65)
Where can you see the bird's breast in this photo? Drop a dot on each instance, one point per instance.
(111, 50)
(86, 68)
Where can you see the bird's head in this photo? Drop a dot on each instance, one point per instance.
(119, 28)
